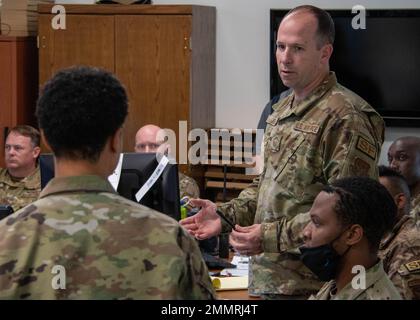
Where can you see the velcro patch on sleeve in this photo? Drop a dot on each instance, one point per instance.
(306, 127)
(413, 266)
(366, 147)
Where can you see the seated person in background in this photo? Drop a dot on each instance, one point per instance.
(400, 249)
(20, 181)
(348, 220)
(149, 138)
(105, 246)
(404, 157)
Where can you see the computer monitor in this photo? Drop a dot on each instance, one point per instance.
(136, 169)
(163, 196)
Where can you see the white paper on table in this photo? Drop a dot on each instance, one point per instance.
(242, 267)
(241, 262)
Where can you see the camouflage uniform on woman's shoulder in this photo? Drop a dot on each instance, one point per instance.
(110, 248)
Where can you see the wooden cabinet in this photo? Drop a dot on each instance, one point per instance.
(18, 84)
(163, 54)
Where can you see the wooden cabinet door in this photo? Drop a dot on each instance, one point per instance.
(5, 94)
(153, 62)
(87, 40)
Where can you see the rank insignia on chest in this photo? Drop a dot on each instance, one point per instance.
(306, 127)
(413, 266)
(366, 147)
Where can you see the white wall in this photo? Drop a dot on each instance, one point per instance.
(242, 56)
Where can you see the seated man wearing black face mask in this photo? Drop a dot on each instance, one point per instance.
(348, 220)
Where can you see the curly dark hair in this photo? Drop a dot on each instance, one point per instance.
(366, 202)
(79, 109)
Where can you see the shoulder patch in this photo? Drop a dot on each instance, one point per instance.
(366, 147)
(413, 266)
(306, 127)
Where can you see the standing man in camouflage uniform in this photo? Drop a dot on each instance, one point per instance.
(148, 140)
(348, 220)
(319, 133)
(99, 244)
(400, 249)
(404, 157)
(20, 181)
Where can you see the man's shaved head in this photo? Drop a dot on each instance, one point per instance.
(404, 157)
(148, 138)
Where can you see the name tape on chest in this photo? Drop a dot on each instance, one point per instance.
(366, 147)
(306, 127)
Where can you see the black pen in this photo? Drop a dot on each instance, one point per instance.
(230, 223)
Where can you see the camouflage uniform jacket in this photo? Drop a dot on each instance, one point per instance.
(188, 187)
(378, 287)
(331, 134)
(110, 248)
(19, 193)
(400, 252)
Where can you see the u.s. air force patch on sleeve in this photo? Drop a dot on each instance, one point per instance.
(366, 147)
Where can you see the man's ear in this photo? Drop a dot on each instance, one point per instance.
(117, 141)
(326, 52)
(354, 234)
(400, 200)
(36, 152)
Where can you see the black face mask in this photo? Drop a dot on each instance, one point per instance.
(322, 260)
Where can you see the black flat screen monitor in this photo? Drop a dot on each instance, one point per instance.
(163, 196)
(136, 169)
(380, 63)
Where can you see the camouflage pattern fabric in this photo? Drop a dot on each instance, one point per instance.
(378, 287)
(415, 207)
(19, 193)
(110, 248)
(400, 251)
(188, 187)
(331, 134)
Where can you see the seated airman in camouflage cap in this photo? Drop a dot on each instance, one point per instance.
(20, 182)
(348, 220)
(81, 240)
(400, 249)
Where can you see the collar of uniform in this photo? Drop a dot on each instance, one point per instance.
(32, 181)
(395, 231)
(373, 275)
(307, 103)
(283, 109)
(88, 183)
